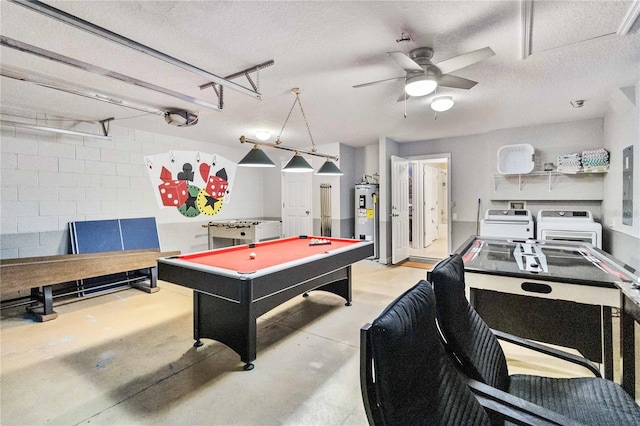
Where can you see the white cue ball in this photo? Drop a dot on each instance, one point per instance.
(252, 255)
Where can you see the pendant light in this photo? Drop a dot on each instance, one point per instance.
(329, 169)
(256, 158)
(297, 164)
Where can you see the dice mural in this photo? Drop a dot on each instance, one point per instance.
(173, 192)
(190, 181)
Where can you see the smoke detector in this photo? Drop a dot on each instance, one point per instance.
(579, 103)
(181, 118)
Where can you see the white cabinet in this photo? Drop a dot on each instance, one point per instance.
(549, 186)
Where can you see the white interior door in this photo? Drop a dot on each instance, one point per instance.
(296, 204)
(443, 203)
(430, 204)
(399, 209)
(417, 205)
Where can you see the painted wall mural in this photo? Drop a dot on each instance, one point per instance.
(192, 182)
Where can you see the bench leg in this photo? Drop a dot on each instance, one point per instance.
(152, 287)
(45, 311)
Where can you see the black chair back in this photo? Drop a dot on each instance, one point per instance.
(406, 376)
(466, 334)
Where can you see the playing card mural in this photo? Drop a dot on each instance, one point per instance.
(190, 181)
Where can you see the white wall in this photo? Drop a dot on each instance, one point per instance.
(474, 159)
(48, 180)
(622, 129)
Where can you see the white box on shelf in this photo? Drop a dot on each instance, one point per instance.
(516, 159)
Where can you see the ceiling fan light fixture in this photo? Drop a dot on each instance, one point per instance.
(442, 103)
(297, 164)
(420, 85)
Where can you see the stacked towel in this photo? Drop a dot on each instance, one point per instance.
(595, 160)
(570, 163)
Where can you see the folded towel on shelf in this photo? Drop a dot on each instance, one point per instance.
(595, 158)
(570, 163)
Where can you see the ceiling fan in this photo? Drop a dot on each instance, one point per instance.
(423, 76)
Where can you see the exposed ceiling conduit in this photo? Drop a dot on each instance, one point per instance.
(63, 86)
(79, 23)
(54, 130)
(630, 18)
(47, 54)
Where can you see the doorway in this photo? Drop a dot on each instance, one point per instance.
(296, 204)
(429, 208)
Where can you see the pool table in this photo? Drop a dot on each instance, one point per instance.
(232, 289)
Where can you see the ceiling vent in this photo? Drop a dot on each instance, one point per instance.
(181, 118)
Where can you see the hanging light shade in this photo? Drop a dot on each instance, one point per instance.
(256, 158)
(329, 168)
(442, 103)
(420, 85)
(297, 164)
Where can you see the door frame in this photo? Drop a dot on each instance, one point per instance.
(286, 194)
(399, 209)
(440, 158)
(430, 185)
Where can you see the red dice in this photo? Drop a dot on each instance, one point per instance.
(216, 187)
(173, 192)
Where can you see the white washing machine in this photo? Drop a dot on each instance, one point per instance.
(508, 223)
(569, 225)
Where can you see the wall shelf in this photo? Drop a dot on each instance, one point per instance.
(549, 185)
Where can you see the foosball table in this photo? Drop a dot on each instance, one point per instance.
(246, 230)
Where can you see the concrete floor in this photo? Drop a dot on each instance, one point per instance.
(127, 358)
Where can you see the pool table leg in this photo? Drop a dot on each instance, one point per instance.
(341, 284)
(227, 322)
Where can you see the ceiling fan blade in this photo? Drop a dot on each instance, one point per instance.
(465, 60)
(357, 86)
(404, 95)
(449, 80)
(405, 62)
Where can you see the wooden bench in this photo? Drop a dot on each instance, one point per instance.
(39, 274)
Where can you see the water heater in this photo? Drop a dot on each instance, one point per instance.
(366, 220)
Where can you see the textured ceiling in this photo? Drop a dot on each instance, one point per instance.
(325, 48)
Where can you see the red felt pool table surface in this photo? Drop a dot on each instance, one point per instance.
(268, 253)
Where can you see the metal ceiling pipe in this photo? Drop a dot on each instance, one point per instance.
(75, 90)
(79, 23)
(53, 130)
(47, 54)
